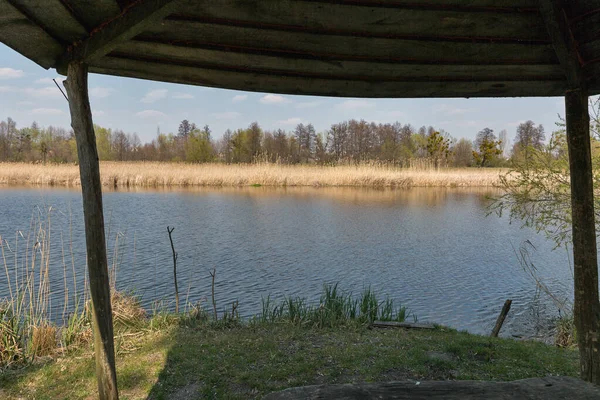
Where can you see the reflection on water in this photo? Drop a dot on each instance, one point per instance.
(431, 249)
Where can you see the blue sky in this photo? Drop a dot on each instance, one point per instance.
(28, 94)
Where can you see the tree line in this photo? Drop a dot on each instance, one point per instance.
(352, 141)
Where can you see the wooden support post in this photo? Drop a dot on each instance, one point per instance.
(585, 258)
(501, 318)
(89, 170)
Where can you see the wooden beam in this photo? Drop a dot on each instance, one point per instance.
(129, 23)
(265, 82)
(323, 64)
(23, 35)
(53, 17)
(421, 50)
(388, 19)
(585, 258)
(563, 42)
(89, 170)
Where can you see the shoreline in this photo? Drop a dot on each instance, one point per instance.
(141, 174)
(159, 358)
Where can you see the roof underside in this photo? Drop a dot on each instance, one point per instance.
(354, 48)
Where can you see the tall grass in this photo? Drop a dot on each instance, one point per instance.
(335, 307)
(163, 175)
(27, 330)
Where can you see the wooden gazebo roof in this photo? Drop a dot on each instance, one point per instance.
(356, 48)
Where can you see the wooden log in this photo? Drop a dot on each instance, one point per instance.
(550, 388)
(91, 188)
(406, 325)
(585, 257)
(501, 317)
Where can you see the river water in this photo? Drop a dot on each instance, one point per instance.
(432, 250)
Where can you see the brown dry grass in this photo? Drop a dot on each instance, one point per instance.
(161, 175)
(43, 340)
(127, 310)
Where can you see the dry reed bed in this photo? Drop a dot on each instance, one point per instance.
(160, 175)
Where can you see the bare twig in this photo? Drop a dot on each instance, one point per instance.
(214, 302)
(170, 231)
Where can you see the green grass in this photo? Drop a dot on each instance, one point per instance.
(335, 307)
(194, 358)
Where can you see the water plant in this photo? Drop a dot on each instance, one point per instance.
(335, 307)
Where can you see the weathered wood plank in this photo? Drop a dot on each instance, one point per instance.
(323, 87)
(563, 41)
(405, 325)
(91, 188)
(55, 18)
(586, 306)
(328, 63)
(126, 25)
(177, 32)
(552, 388)
(365, 19)
(590, 51)
(93, 12)
(579, 8)
(587, 29)
(24, 36)
(469, 5)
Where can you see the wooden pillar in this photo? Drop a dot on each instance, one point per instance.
(587, 305)
(89, 170)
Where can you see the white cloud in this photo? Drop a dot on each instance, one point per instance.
(227, 115)
(239, 97)
(183, 96)
(49, 81)
(290, 121)
(308, 104)
(350, 105)
(25, 103)
(274, 99)
(48, 92)
(154, 95)
(447, 109)
(9, 73)
(98, 113)
(387, 116)
(463, 123)
(101, 91)
(514, 124)
(46, 111)
(45, 92)
(150, 114)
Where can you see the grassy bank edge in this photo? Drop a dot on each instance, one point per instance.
(185, 357)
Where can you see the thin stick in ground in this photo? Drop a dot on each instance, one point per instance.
(501, 317)
(170, 231)
(214, 302)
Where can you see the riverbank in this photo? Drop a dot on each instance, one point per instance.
(162, 175)
(184, 358)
